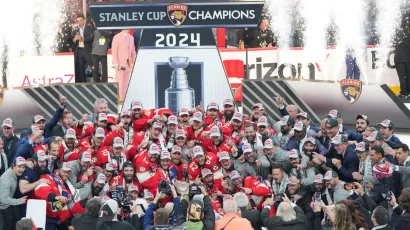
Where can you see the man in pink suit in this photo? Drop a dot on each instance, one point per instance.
(123, 57)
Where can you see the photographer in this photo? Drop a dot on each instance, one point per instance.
(201, 215)
(89, 219)
(162, 215)
(109, 219)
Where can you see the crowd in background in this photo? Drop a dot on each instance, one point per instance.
(205, 168)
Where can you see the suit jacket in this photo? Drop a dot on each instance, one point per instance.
(350, 163)
(88, 37)
(123, 50)
(405, 175)
(393, 141)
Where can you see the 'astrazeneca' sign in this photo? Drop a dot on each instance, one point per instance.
(169, 15)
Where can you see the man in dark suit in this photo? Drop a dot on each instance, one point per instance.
(341, 158)
(402, 56)
(83, 43)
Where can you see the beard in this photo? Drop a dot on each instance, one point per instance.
(96, 191)
(228, 114)
(129, 178)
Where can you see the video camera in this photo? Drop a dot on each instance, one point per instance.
(124, 201)
(194, 189)
(165, 187)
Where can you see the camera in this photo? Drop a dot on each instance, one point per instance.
(194, 189)
(278, 197)
(165, 187)
(126, 204)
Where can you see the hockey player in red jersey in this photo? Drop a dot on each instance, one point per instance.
(123, 130)
(183, 117)
(201, 161)
(210, 185)
(167, 171)
(254, 187)
(115, 154)
(92, 143)
(176, 161)
(62, 198)
(69, 148)
(212, 112)
(169, 131)
(143, 139)
(229, 109)
(194, 131)
(126, 178)
(146, 168)
(234, 128)
(83, 129)
(217, 142)
(139, 117)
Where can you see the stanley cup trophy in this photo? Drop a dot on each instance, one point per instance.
(179, 94)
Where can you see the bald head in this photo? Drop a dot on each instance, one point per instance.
(230, 206)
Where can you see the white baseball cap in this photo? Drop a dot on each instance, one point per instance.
(153, 149)
(268, 144)
(101, 178)
(20, 161)
(234, 174)
(224, 156)
(8, 123)
(263, 121)
(238, 116)
(361, 146)
(176, 149)
(109, 167)
(125, 112)
(172, 120)
(215, 132)
(38, 118)
(133, 187)
(180, 133)
(118, 142)
(136, 104)
(66, 167)
(157, 124)
(205, 172)
(70, 133)
(197, 150)
(247, 148)
(165, 155)
(41, 155)
(102, 117)
(228, 101)
(318, 178)
(198, 116)
(183, 111)
(212, 105)
(100, 132)
(293, 153)
(86, 157)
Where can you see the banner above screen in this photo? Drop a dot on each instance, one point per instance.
(177, 15)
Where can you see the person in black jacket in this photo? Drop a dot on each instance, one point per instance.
(401, 214)
(10, 140)
(253, 215)
(260, 37)
(83, 41)
(201, 214)
(89, 219)
(288, 215)
(380, 218)
(402, 56)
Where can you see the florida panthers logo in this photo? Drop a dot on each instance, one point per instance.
(351, 89)
(177, 13)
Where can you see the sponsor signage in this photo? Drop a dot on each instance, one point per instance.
(177, 15)
(262, 64)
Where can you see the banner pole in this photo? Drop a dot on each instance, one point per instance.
(246, 64)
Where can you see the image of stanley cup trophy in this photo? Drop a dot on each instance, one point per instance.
(179, 94)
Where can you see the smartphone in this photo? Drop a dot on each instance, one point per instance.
(318, 198)
(348, 186)
(388, 195)
(278, 197)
